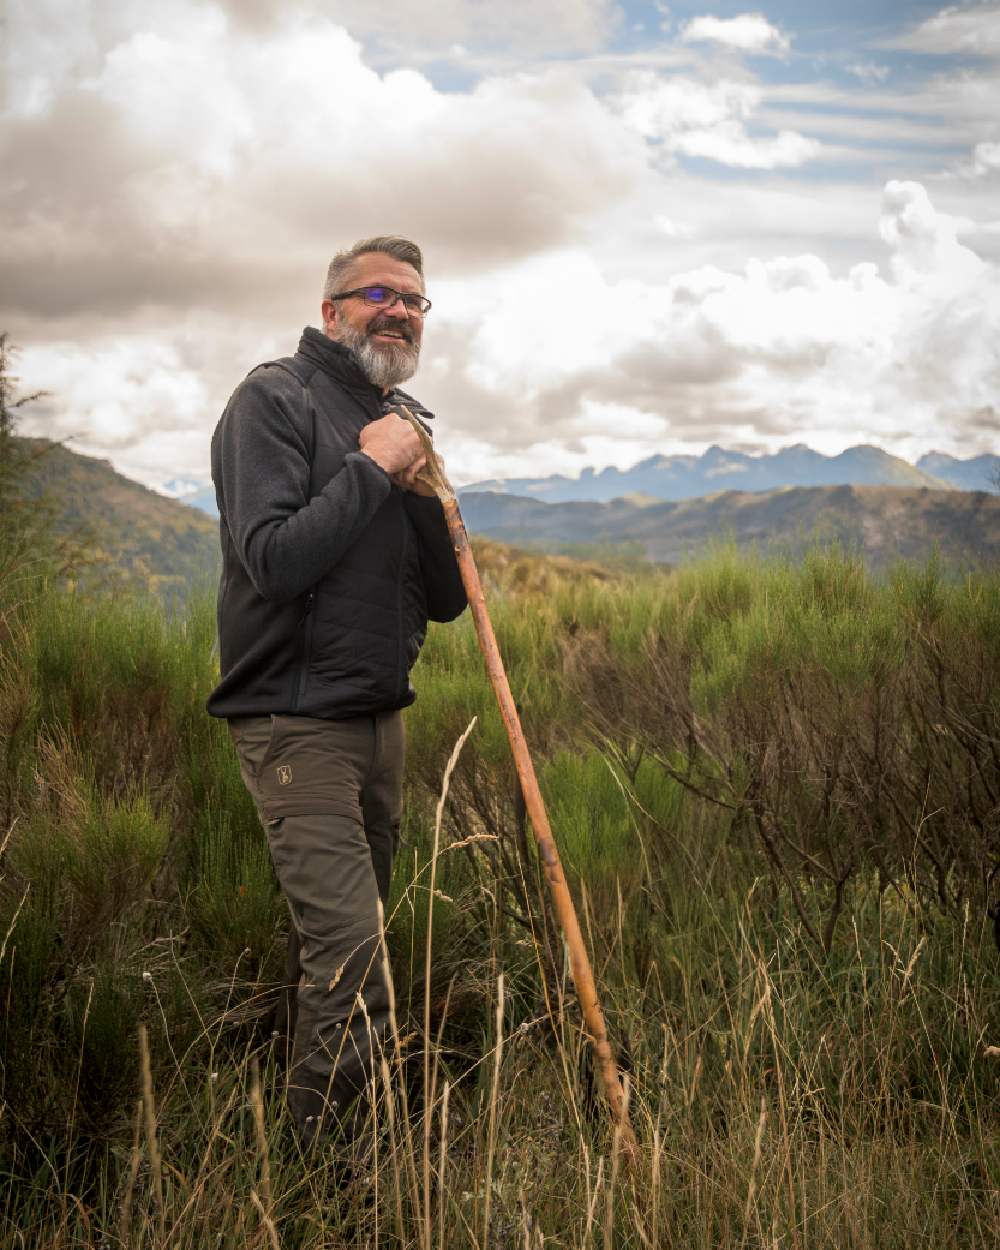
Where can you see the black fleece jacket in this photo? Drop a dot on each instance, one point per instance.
(329, 571)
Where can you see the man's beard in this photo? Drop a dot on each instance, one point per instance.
(385, 365)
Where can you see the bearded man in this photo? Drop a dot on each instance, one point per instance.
(334, 559)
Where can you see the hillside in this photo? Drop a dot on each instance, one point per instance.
(135, 536)
(885, 523)
(139, 537)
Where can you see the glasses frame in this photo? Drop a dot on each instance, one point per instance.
(420, 306)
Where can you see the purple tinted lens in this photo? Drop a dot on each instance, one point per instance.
(379, 295)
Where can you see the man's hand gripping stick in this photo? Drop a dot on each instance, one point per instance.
(432, 474)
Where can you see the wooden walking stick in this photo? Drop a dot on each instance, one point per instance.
(583, 974)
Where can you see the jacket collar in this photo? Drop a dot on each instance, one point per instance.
(335, 360)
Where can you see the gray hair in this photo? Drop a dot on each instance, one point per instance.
(393, 245)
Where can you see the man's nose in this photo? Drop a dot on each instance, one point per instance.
(398, 309)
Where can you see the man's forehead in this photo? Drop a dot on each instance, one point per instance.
(372, 267)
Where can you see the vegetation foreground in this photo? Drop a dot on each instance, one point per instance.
(777, 791)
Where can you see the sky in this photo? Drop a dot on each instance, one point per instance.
(647, 227)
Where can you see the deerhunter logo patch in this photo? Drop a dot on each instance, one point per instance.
(284, 772)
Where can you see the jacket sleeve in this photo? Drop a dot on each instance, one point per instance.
(438, 565)
(260, 463)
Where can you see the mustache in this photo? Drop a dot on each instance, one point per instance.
(390, 323)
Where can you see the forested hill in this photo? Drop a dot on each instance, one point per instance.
(131, 535)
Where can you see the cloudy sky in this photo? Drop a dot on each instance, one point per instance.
(647, 226)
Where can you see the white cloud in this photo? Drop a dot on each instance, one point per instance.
(986, 158)
(956, 103)
(924, 243)
(750, 32)
(671, 228)
(786, 350)
(729, 144)
(516, 26)
(965, 96)
(972, 29)
(694, 119)
(555, 365)
(175, 183)
(202, 131)
(869, 71)
(659, 107)
(134, 398)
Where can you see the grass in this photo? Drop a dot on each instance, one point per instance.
(789, 1085)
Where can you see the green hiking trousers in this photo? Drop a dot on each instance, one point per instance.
(329, 795)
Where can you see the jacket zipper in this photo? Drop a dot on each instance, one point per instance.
(401, 657)
(306, 623)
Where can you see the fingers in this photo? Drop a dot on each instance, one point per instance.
(410, 479)
(392, 442)
(407, 477)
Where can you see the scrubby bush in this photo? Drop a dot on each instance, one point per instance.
(851, 728)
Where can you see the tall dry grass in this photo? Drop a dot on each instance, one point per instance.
(786, 1091)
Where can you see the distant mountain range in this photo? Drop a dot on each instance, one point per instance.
(692, 477)
(194, 494)
(883, 523)
(143, 538)
(976, 473)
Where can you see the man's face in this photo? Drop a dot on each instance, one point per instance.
(384, 341)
